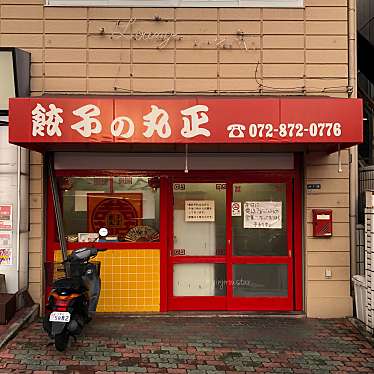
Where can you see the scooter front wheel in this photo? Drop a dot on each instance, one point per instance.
(62, 340)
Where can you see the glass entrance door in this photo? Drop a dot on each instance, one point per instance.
(231, 246)
(198, 253)
(261, 260)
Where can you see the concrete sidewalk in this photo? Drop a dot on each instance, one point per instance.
(196, 345)
(19, 320)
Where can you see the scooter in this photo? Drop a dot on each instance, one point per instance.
(73, 300)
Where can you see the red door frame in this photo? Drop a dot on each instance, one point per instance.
(230, 302)
(191, 302)
(165, 234)
(279, 303)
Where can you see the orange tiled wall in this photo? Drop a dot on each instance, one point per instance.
(130, 280)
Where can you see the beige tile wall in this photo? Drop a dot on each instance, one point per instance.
(328, 297)
(36, 227)
(283, 51)
(287, 49)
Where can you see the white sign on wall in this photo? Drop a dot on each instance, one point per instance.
(262, 215)
(199, 211)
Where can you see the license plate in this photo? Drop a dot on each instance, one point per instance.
(59, 317)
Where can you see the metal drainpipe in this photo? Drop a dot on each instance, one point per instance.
(18, 211)
(353, 165)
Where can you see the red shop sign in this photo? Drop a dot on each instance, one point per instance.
(185, 120)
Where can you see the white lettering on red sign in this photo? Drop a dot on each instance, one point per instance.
(192, 125)
(156, 122)
(236, 130)
(323, 216)
(50, 120)
(285, 130)
(89, 125)
(118, 125)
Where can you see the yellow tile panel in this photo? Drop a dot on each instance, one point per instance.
(130, 280)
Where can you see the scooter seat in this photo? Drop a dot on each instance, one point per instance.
(68, 284)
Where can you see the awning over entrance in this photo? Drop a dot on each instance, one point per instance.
(50, 123)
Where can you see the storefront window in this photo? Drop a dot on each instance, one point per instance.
(127, 206)
(199, 219)
(199, 279)
(251, 280)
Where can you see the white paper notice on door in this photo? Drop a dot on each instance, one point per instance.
(262, 215)
(199, 211)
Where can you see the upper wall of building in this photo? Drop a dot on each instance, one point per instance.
(108, 50)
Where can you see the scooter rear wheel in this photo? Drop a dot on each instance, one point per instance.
(62, 340)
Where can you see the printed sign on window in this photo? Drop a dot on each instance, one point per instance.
(5, 217)
(262, 215)
(5, 239)
(6, 256)
(87, 237)
(199, 211)
(236, 209)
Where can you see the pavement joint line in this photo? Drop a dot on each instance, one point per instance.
(16, 326)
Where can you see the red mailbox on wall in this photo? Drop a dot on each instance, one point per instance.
(322, 223)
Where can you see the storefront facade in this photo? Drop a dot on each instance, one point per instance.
(211, 228)
(146, 68)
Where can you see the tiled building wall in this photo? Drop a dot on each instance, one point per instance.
(224, 50)
(215, 51)
(36, 236)
(130, 280)
(328, 297)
